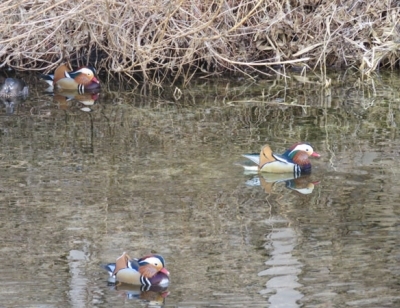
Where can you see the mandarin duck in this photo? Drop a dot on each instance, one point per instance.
(146, 271)
(13, 87)
(294, 160)
(81, 79)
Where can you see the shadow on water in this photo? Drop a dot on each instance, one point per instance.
(85, 178)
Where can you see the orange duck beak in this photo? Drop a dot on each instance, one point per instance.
(94, 79)
(315, 154)
(165, 271)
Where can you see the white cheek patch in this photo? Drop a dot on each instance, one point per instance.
(153, 260)
(85, 71)
(305, 148)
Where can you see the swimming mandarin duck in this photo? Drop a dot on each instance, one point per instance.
(295, 160)
(13, 87)
(149, 270)
(81, 79)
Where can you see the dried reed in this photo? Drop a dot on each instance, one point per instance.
(157, 40)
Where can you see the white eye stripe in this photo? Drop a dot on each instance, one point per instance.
(85, 71)
(152, 260)
(303, 147)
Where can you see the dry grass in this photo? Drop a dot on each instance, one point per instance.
(162, 39)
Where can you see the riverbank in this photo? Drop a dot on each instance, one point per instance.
(163, 41)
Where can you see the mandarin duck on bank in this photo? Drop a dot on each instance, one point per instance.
(295, 160)
(80, 80)
(146, 271)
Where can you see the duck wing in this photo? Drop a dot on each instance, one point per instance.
(282, 158)
(254, 157)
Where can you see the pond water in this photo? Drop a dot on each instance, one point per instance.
(149, 170)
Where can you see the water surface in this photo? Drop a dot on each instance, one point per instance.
(83, 182)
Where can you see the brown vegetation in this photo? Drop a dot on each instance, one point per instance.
(159, 39)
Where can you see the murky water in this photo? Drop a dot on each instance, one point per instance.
(81, 183)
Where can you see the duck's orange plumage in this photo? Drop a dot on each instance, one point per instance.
(295, 160)
(149, 270)
(65, 79)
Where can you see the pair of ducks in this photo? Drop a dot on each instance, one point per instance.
(150, 270)
(62, 79)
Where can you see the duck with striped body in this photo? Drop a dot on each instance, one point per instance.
(146, 271)
(80, 80)
(295, 160)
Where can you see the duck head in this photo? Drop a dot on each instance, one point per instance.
(84, 76)
(302, 147)
(151, 265)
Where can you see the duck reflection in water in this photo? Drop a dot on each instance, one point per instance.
(302, 184)
(84, 101)
(12, 92)
(153, 295)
